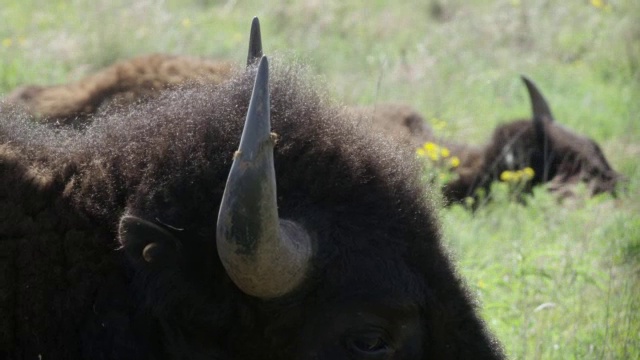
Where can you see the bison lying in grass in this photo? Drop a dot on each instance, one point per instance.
(324, 247)
(122, 83)
(555, 154)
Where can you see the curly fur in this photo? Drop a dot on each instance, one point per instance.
(398, 121)
(69, 292)
(122, 83)
(405, 125)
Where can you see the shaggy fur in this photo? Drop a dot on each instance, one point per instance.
(69, 292)
(122, 83)
(399, 121)
(405, 125)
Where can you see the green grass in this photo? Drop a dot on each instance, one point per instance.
(555, 281)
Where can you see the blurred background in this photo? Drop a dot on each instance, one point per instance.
(554, 280)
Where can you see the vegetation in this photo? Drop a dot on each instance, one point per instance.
(555, 281)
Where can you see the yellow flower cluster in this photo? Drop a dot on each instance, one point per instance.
(437, 153)
(517, 176)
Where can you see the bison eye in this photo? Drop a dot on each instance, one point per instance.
(370, 344)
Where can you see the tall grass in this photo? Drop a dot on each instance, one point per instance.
(553, 280)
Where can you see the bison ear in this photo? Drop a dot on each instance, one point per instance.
(147, 242)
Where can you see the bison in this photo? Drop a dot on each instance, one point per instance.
(133, 80)
(126, 82)
(149, 236)
(557, 156)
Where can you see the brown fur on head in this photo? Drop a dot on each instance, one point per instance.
(556, 154)
(122, 83)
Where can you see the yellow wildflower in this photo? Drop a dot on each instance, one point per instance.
(444, 152)
(430, 147)
(601, 4)
(432, 150)
(516, 175)
(454, 162)
(528, 173)
(7, 42)
(525, 174)
(420, 152)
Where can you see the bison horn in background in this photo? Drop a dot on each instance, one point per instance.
(539, 106)
(265, 256)
(255, 43)
(541, 114)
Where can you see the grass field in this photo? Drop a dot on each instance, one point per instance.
(555, 281)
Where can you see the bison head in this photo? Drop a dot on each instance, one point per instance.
(337, 259)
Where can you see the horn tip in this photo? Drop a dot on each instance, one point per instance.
(255, 42)
(263, 65)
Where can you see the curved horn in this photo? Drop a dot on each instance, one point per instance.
(255, 43)
(541, 111)
(539, 106)
(265, 257)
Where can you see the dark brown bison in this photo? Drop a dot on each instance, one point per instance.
(153, 235)
(558, 156)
